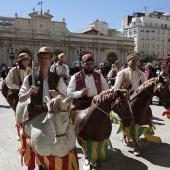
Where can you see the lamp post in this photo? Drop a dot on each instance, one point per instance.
(11, 52)
(80, 53)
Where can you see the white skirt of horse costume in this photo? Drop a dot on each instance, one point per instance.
(30, 157)
(49, 138)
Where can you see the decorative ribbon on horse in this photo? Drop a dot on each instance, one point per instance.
(135, 131)
(96, 151)
(125, 130)
(115, 118)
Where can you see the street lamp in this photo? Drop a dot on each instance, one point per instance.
(80, 53)
(11, 52)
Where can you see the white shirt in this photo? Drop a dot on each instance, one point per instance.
(56, 68)
(62, 88)
(134, 77)
(110, 73)
(10, 76)
(90, 84)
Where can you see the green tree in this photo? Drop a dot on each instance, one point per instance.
(148, 57)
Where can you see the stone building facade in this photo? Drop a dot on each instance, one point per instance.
(29, 34)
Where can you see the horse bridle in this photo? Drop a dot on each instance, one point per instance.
(112, 105)
(63, 134)
(100, 109)
(159, 87)
(116, 104)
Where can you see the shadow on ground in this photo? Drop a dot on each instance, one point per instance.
(157, 121)
(118, 161)
(157, 154)
(5, 106)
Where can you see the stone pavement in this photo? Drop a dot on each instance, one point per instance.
(155, 157)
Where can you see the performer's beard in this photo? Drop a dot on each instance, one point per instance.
(88, 71)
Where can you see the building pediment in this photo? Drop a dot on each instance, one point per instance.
(92, 31)
(35, 15)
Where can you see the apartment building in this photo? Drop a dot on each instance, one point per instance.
(151, 32)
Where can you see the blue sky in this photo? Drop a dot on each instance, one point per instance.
(78, 14)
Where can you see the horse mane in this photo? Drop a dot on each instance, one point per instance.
(103, 96)
(108, 95)
(144, 86)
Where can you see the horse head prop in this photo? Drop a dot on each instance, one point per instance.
(140, 101)
(158, 86)
(94, 122)
(122, 107)
(50, 133)
(58, 109)
(162, 91)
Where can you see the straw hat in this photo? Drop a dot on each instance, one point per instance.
(116, 61)
(45, 50)
(23, 56)
(62, 57)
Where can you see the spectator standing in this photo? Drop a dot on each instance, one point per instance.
(150, 71)
(113, 73)
(105, 68)
(4, 72)
(61, 69)
(74, 68)
(15, 78)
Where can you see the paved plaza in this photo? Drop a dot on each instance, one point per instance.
(155, 157)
